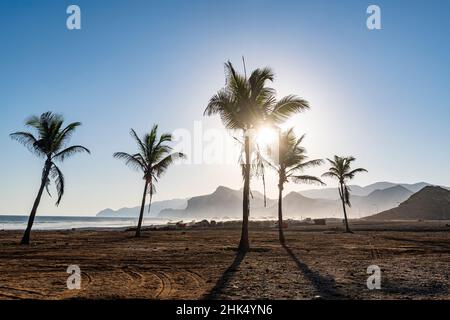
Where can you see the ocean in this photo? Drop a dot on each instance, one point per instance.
(19, 222)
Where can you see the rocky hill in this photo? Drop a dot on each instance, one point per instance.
(430, 203)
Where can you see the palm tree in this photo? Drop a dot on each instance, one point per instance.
(245, 104)
(290, 162)
(153, 159)
(49, 144)
(341, 170)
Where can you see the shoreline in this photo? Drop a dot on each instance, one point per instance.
(308, 225)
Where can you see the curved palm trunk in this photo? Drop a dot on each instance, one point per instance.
(141, 214)
(45, 173)
(280, 213)
(347, 229)
(244, 244)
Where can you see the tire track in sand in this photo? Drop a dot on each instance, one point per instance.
(166, 285)
(17, 293)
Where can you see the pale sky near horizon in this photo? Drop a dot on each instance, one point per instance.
(381, 95)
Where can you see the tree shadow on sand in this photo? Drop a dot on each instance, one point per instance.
(325, 285)
(226, 278)
(413, 290)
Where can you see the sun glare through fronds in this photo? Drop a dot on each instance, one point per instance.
(266, 136)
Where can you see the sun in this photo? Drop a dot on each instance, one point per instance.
(266, 136)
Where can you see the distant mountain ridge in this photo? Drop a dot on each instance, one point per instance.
(296, 205)
(155, 209)
(331, 193)
(381, 199)
(225, 202)
(430, 203)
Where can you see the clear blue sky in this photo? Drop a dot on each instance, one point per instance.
(382, 96)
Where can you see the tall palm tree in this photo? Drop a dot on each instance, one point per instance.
(245, 104)
(49, 144)
(341, 170)
(290, 163)
(152, 159)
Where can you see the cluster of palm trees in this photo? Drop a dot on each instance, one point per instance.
(245, 104)
(152, 158)
(248, 103)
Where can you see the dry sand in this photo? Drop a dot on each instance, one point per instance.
(196, 264)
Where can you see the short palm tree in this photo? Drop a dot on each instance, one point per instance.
(49, 144)
(290, 163)
(152, 159)
(245, 104)
(341, 170)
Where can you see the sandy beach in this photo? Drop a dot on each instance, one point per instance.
(202, 264)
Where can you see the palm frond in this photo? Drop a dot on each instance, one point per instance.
(347, 195)
(29, 141)
(351, 174)
(56, 174)
(330, 174)
(257, 82)
(62, 137)
(286, 107)
(307, 179)
(142, 146)
(160, 167)
(305, 165)
(70, 151)
(47, 182)
(218, 102)
(135, 161)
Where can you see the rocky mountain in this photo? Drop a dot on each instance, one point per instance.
(380, 200)
(297, 205)
(227, 203)
(430, 203)
(222, 203)
(155, 209)
(332, 193)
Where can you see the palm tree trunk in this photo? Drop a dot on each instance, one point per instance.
(281, 174)
(347, 229)
(264, 188)
(280, 213)
(151, 196)
(244, 245)
(45, 173)
(141, 214)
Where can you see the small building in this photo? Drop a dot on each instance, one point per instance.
(320, 222)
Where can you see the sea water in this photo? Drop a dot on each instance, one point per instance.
(19, 222)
